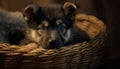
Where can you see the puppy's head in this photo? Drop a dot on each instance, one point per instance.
(54, 19)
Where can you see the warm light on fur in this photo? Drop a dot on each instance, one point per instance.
(90, 24)
(69, 27)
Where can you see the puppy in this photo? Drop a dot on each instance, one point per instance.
(54, 26)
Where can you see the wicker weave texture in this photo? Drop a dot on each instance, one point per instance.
(86, 55)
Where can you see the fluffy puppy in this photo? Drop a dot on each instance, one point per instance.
(12, 27)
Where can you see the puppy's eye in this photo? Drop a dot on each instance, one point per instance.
(40, 27)
(43, 29)
(43, 25)
(58, 22)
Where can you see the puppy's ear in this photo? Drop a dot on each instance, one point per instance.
(70, 8)
(30, 10)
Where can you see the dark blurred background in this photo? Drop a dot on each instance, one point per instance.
(106, 10)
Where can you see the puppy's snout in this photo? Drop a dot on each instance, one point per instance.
(52, 42)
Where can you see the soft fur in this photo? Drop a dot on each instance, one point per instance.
(12, 27)
(90, 24)
(53, 26)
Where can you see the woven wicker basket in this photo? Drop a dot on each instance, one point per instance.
(86, 55)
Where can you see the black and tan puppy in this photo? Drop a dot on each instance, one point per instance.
(53, 26)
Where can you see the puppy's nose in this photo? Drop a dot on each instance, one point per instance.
(52, 42)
